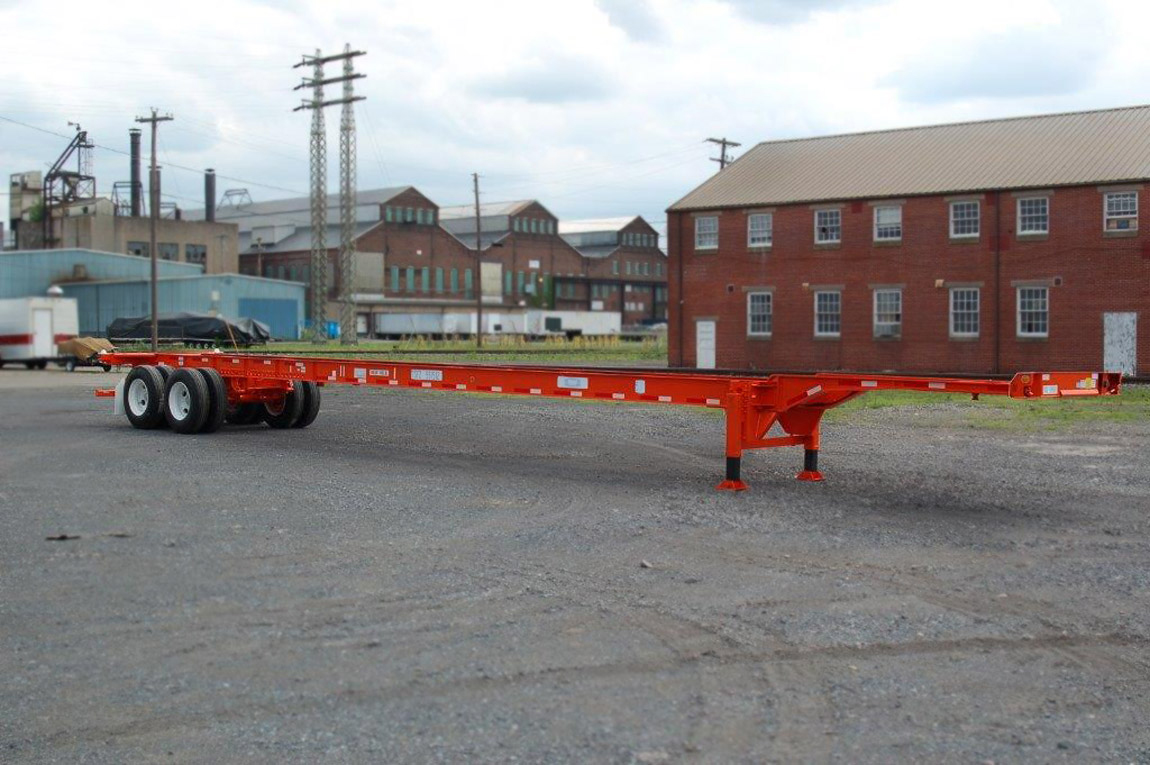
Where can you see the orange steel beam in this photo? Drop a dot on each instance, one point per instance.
(753, 405)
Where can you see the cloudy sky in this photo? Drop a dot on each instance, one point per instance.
(595, 107)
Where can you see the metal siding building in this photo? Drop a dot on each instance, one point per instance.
(280, 304)
(29, 273)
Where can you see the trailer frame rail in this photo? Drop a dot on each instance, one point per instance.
(762, 412)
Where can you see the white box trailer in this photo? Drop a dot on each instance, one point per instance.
(31, 327)
(543, 322)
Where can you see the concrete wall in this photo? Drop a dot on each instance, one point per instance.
(113, 233)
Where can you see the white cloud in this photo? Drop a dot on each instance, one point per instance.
(596, 108)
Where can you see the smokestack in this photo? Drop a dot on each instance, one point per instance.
(210, 195)
(137, 188)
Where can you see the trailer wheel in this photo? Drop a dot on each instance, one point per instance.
(144, 397)
(186, 401)
(245, 414)
(310, 407)
(164, 370)
(286, 412)
(217, 400)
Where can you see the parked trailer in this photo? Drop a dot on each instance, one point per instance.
(31, 327)
(198, 392)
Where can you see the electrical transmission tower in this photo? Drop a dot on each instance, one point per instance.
(346, 257)
(723, 159)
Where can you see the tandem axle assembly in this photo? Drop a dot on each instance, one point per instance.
(199, 392)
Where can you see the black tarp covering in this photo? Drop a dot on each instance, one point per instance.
(191, 328)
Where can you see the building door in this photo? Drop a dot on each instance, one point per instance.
(43, 345)
(1120, 342)
(705, 344)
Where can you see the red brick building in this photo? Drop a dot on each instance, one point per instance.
(413, 257)
(981, 247)
(624, 269)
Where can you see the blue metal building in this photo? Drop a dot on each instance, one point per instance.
(29, 273)
(109, 286)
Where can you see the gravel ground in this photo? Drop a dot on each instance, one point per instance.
(429, 577)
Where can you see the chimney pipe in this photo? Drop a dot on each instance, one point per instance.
(137, 187)
(210, 195)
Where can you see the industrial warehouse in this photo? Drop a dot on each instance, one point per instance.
(617, 381)
(984, 247)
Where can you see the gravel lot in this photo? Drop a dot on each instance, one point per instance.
(429, 577)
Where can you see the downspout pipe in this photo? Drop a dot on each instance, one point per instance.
(997, 281)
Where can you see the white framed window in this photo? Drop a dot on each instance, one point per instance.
(1033, 215)
(760, 306)
(760, 229)
(1121, 211)
(887, 224)
(888, 313)
(706, 232)
(1033, 312)
(828, 313)
(964, 311)
(963, 219)
(828, 226)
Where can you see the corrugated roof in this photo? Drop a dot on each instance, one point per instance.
(590, 225)
(486, 209)
(300, 239)
(486, 238)
(1106, 146)
(294, 210)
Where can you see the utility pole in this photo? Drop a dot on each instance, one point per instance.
(478, 269)
(319, 191)
(722, 159)
(153, 215)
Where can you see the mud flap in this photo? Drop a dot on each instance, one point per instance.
(118, 399)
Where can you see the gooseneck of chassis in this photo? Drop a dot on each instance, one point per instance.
(753, 404)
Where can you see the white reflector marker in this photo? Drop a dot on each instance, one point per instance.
(870, 383)
(938, 386)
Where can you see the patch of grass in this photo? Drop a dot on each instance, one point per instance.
(496, 350)
(1001, 413)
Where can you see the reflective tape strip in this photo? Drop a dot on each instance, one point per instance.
(870, 383)
(536, 391)
(618, 395)
(713, 402)
(938, 386)
(460, 386)
(664, 398)
(576, 393)
(496, 389)
(425, 385)
(814, 390)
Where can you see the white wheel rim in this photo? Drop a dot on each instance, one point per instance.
(138, 397)
(179, 401)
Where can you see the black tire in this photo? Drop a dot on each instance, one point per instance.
(217, 400)
(245, 414)
(186, 401)
(70, 365)
(144, 397)
(29, 364)
(310, 407)
(42, 364)
(282, 416)
(165, 371)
